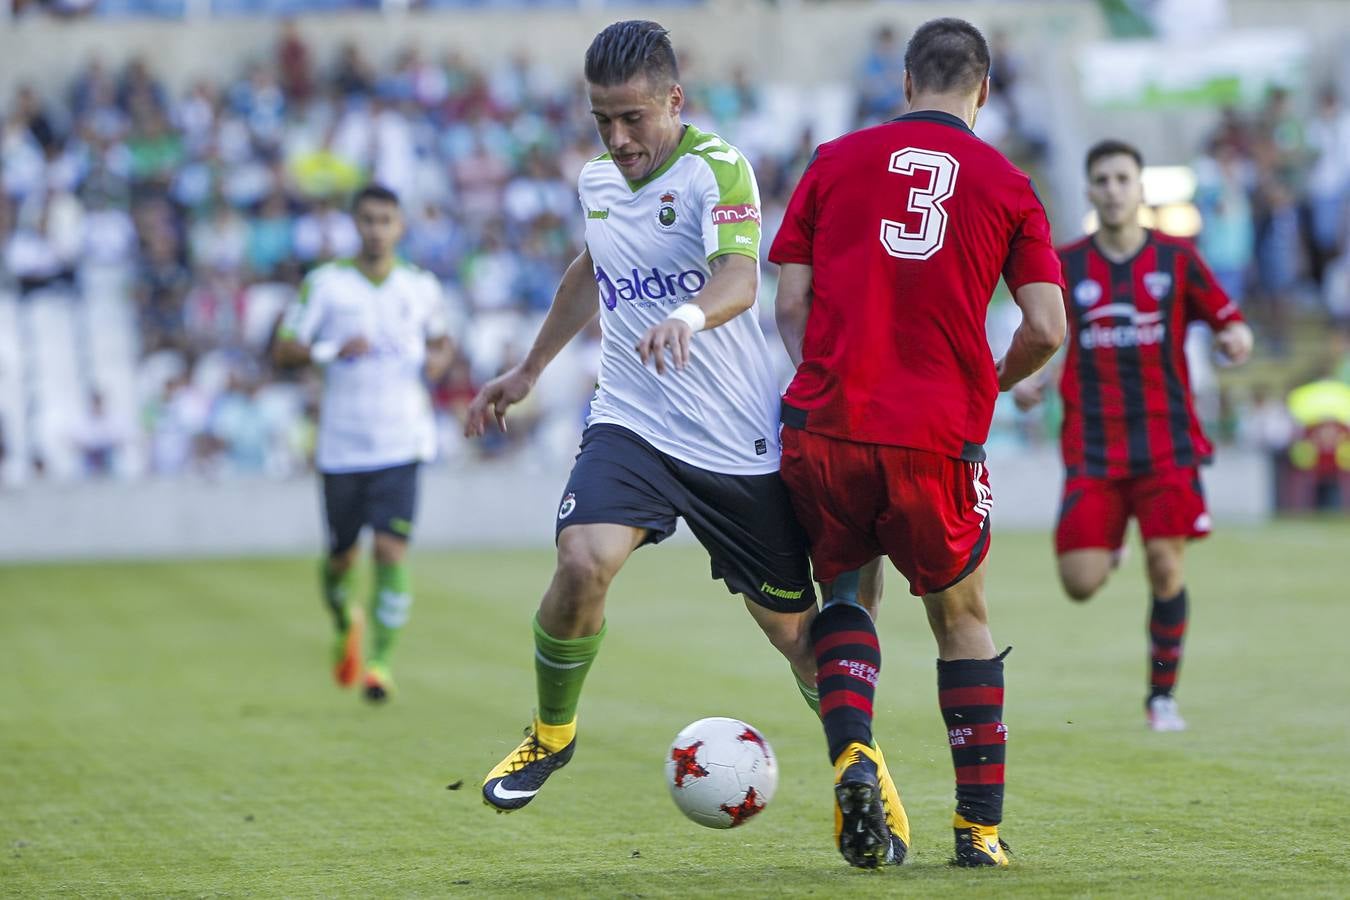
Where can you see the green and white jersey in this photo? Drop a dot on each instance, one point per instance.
(376, 412)
(651, 242)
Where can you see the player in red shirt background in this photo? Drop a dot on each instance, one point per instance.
(892, 245)
(1132, 443)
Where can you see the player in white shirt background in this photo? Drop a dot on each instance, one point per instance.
(684, 422)
(376, 327)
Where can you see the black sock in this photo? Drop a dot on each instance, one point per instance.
(1166, 630)
(848, 660)
(970, 693)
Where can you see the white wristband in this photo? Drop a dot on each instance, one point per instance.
(690, 314)
(323, 352)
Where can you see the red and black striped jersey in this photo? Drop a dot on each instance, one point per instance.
(1126, 389)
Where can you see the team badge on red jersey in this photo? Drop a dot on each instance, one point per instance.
(1087, 292)
(1157, 284)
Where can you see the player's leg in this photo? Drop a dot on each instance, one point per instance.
(1083, 572)
(344, 518)
(568, 630)
(391, 507)
(614, 502)
(1171, 512)
(1167, 620)
(829, 485)
(1089, 534)
(790, 634)
(970, 695)
(936, 530)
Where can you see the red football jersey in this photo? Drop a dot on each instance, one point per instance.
(1126, 388)
(907, 227)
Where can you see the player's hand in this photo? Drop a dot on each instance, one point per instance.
(493, 400)
(1235, 342)
(1028, 393)
(671, 334)
(357, 346)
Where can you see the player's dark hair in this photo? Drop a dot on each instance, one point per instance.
(376, 192)
(627, 49)
(1112, 147)
(947, 55)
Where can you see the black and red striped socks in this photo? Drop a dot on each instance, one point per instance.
(970, 693)
(1166, 629)
(848, 661)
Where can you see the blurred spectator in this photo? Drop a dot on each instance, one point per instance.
(294, 64)
(325, 232)
(1227, 239)
(1329, 178)
(98, 437)
(162, 287)
(881, 94)
(45, 242)
(219, 239)
(176, 422)
(270, 241)
(1278, 253)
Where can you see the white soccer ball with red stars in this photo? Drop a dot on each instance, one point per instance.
(721, 772)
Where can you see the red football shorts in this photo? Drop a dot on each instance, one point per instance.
(929, 513)
(1095, 511)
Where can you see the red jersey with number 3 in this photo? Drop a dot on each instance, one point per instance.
(908, 227)
(1126, 389)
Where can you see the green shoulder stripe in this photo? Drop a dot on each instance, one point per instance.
(735, 183)
(735, 215)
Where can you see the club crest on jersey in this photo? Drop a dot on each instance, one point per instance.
(1087, 292)
(665, 215)
(1157, 284)
(569, 504)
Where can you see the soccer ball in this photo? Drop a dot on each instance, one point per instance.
(721, 772)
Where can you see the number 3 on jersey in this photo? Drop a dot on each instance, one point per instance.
(925, 240)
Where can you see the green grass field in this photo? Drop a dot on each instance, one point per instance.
(170, 729)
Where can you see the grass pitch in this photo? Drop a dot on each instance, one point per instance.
(171, 729)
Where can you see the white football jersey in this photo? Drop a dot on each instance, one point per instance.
(376, 411)
(651, 243)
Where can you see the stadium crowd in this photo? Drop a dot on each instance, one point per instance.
(209, 205)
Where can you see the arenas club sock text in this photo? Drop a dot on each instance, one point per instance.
(560, 668)
(1166, 629)
(848, 662)
(970, 693)
(336, 590)
(389, 607)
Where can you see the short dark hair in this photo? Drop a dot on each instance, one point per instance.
(1112, 147)
(628, 49)
(947, 55)
(376, 192)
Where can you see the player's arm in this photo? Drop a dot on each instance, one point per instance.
(729, 292)
(440, 350)
(1030, 391)
(1035, 275)
(574, 305)
(792, 306)
(1208, 301)
(299, 341)
(1235, 340)
(1038, 337)
(440, 353)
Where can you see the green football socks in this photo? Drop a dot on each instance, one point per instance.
(560, 668)
(336, 590)
(809, 692)
(389, 607)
